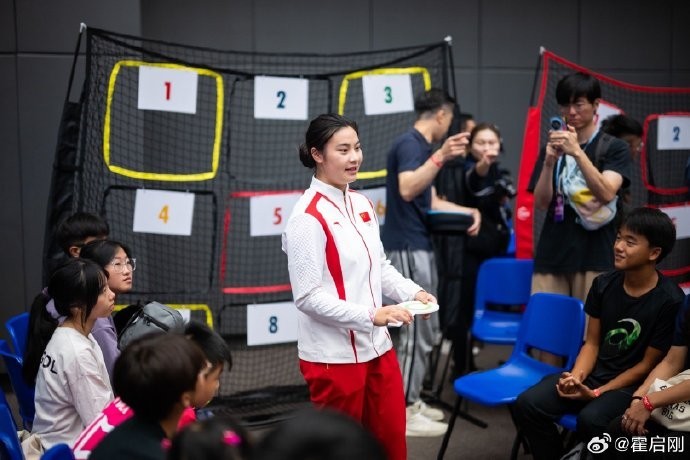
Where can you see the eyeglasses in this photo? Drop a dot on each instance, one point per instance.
(119, 267)
(579, 106)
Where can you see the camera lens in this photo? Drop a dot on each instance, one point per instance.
(556, 123)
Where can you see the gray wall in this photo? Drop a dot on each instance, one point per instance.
(495, 46)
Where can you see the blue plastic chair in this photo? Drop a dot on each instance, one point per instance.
(501, 281)
(58, 452)
(553, 323)
(569, 422)
(9, 442)
(18, 328)
(23, 392)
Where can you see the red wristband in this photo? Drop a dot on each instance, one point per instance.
(436, 162)
(597, 392)
(647, 403)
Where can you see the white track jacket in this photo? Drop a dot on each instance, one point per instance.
(338, 271)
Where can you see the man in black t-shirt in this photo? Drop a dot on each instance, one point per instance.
(631, 314)
(568, 256)
(637, 421)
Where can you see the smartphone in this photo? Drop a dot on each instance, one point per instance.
(558, 124)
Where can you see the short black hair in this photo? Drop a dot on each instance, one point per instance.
(432, 100)
(654, 225)
(154, 371)
(211, 343)
(621, 125)
(78, 227)
(576, 85)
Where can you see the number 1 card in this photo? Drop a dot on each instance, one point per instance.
(167, 89)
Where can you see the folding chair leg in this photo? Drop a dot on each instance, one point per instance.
(451, 424)
(516, 446)
(519, 439)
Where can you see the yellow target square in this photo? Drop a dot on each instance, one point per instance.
(167, 74)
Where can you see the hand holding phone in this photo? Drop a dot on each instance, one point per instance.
(558, 124)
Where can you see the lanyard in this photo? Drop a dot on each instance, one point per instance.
(560, 159)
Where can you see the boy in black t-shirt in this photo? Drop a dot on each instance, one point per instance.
(631, 315)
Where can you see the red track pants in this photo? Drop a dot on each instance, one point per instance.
(370, 392)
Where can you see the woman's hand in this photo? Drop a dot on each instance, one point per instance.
(425, 297)
(634, 418)
(392, 314)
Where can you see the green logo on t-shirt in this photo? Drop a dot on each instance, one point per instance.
(621, 337)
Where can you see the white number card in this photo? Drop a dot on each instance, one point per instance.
(281, 98)
(271, 323)
(163, 212)
(268, 214)
(680, 215)
(673, 133)
(387, 94)
(605, 110)
(165, 89)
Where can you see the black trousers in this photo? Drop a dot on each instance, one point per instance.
(666, 444)
(539, 407)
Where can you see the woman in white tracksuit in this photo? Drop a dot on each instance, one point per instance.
(339, 271)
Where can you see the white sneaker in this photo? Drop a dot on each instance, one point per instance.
(419, 425)
(420, 407)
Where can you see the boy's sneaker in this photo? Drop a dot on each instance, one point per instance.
(420, 407)
(419, 425)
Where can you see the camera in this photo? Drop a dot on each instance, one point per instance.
(557, 124)
(504, 185)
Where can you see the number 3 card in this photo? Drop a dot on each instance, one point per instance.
(387, 94)
(163, 212)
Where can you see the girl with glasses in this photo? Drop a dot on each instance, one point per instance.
(114, 258)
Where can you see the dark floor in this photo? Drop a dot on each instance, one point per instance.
(468, 441)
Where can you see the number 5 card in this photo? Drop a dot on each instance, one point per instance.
(163, 212)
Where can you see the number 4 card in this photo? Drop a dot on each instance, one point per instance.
(163, 212)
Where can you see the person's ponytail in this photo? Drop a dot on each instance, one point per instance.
(41, 328)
